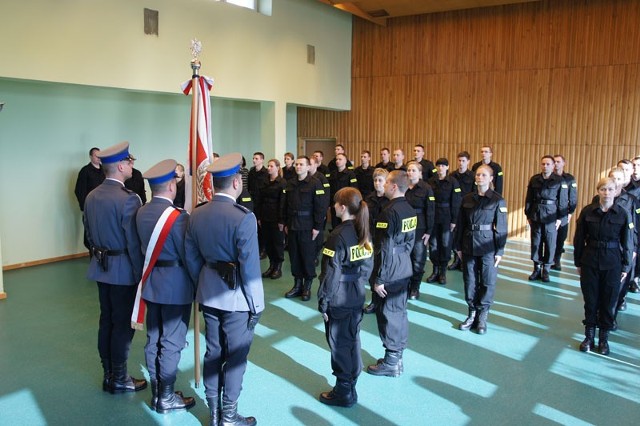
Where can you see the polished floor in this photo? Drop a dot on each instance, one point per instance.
(525, 370)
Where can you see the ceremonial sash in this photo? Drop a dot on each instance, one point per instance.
(158, 237)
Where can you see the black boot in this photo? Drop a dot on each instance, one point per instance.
(230, 416)
(603, 342)
(468, 323)
(154, 394)
(633, 286)
(482, 321)
(434, 275)
(556, 265)
(122, 382)
(214, 411)
(340, 396)
(296, 290)
(268, 272)
(107, 375)
(588, 343)
(442, 276)
(370, 308)
(306, 289)
(414, 291)
(277, 271)
(544, 275)
(456, 264)
(535, 275)
(168, 400)
(388, 366)
(353, 389)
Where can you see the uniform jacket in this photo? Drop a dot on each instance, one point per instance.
(343, 179)
(246, 200)
(110, 221)
(490, 209)
(289, 173)
(365, 180)
(428, 169)
(595, 229)
(269, 201)
(393, 242)
(305, 207)
(572, 195)
(326, 199)
(257, 180)
(421, 198)
(388, 167)
(346, 267)
(169, 285)
(223, 231)
(448, 198)
(376, 205)
(498, 175)
(88, 179)
(540, 192)
(136, 184)
(466, 181)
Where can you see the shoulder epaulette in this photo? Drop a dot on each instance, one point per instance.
(243, 208)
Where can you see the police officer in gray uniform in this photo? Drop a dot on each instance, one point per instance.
(116, 264)
(168, 290)
(393, 242)
(222, 257)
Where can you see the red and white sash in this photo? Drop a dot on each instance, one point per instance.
(158, 237)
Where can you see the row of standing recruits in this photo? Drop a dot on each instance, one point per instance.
(211, 257)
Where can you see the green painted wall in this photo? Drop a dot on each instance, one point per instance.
(46, 131)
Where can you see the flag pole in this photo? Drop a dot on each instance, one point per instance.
(195, 67)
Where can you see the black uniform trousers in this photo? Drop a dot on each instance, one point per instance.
(225, 361)
(600, 290)
(301, 254)
(343, 336)
(543, 234)
(561, 236)
(391, 315)
(440, 243)
(274, 242)
(419, 259)
(320, 240)
(480, 276)
(114, 330)
(167, 327)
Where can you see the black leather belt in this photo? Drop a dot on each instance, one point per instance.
(547, 202)
(475, 227)
(302, 213)
(168, 263)
(419, 210)
(399, 250)
(442, 204)
(604, 244)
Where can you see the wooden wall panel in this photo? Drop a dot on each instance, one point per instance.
(549, 77)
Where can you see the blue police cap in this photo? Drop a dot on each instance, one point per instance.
(227, 165)
(161, 172)
(115, 153)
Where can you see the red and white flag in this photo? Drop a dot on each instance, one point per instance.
(204, 148)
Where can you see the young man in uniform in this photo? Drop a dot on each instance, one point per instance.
(393, 242)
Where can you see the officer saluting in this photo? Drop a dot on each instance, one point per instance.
(116, 264)
(222, 257)
(167, 290)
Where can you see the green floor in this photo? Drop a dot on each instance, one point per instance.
(525, 370)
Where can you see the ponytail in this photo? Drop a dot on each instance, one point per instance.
(351, 198)
(361, 223)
